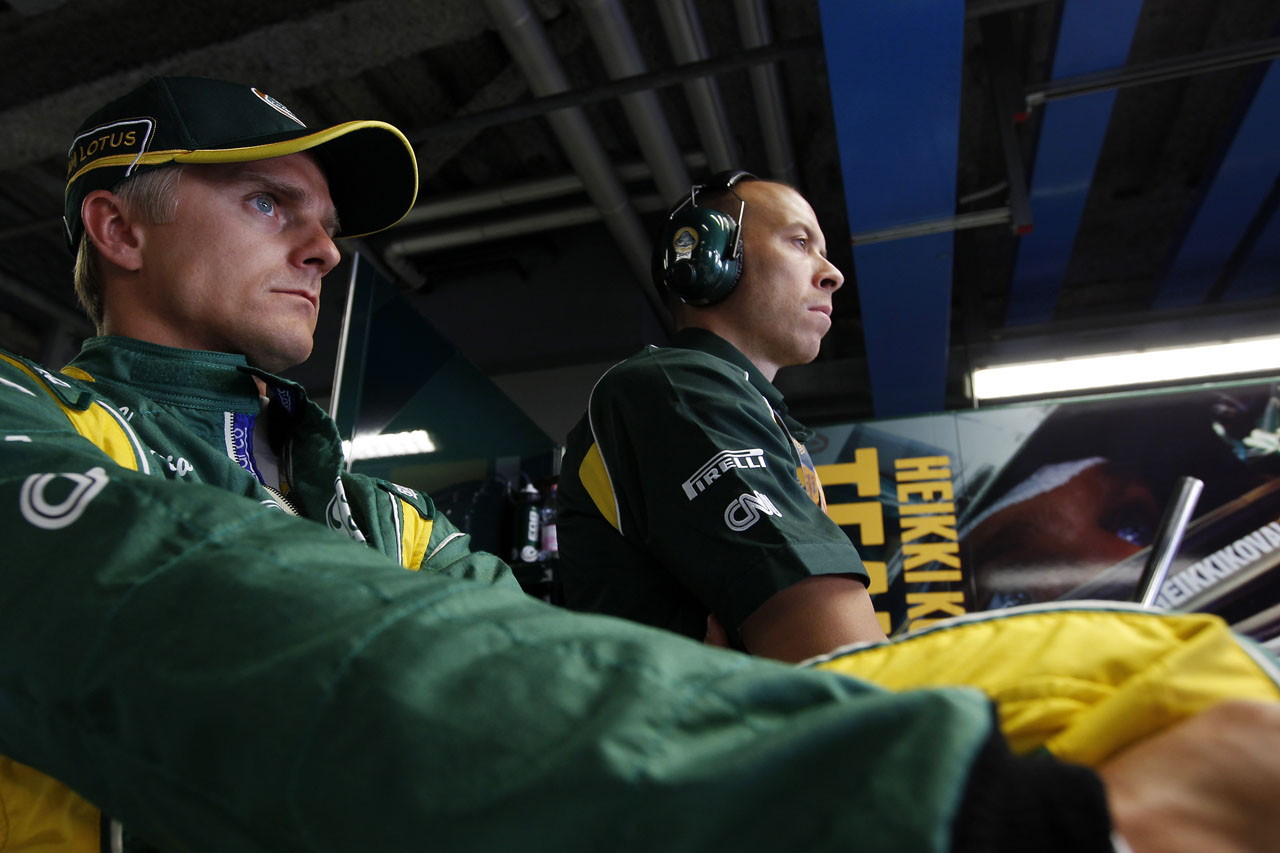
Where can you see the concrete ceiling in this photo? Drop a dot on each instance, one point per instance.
(1149, 215)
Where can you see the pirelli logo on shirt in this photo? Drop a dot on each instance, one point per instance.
(719, 464)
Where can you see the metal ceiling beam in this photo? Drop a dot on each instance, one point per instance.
(501, 197)
(1154, 72)
(525, 39)
(753, 21)
(616, 42)
(1093, 35)
(898, 152)
(684, 32)
(438, 239)
(679, 75)
(1238, 188)
(1002, 81)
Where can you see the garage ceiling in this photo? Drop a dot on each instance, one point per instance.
(987, 185)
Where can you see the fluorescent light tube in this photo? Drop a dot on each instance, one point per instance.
(1046, 378)
(391, 444)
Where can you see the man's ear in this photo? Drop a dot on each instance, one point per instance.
(112, 229)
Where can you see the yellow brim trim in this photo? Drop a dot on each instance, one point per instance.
(255, 152)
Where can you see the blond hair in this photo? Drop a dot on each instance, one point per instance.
(151, 196)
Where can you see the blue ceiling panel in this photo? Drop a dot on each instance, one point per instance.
(895, 71)
(1240, 187)
(1094, 35)
(906, 337)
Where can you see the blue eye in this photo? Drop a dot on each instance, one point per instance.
(264, 204)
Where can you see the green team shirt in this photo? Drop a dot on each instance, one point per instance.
(686, 489)
(221, 675)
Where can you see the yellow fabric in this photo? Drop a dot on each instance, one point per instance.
(38, 813)
(1084, 683)
(94, 423)
(415, 535)
(596, 481)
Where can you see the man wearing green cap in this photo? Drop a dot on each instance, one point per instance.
(181, 652)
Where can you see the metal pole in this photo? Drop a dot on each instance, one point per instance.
(1173, 524)
(1154, 72)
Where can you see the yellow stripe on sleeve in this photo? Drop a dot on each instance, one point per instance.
(595, 478)
(415, 534)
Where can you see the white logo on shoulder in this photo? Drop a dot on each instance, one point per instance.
(717, 465)
(277, 106)
(51, 379)
(746, 511)
(40, 511)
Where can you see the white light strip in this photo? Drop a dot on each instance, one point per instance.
(1108, 371)
(392, 444)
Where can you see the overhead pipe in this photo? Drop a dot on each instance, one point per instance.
(395, 255)
(684, 32)
(753, 22)
(522, 33)
(489, 199)
(515, 226)
(537, 107)
(1140, 74)
(621, 56)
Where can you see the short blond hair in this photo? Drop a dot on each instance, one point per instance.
(152, 196)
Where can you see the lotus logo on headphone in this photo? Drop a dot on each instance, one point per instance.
(684, 242)
(699, 256)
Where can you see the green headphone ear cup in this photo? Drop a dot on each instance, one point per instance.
(694, 258)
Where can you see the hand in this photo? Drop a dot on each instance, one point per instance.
(1209, 783)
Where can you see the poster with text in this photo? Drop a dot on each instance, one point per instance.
(991, 508)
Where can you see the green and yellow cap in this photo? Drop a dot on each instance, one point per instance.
(372, 173)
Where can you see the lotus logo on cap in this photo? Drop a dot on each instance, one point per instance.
(129, 137)
(277, 106)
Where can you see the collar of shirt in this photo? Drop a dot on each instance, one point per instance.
(712, 344)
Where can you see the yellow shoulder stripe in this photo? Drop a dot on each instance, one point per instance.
(595, 478)
(99, 423)
(415, 534)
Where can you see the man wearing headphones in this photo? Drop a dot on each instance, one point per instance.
(687, 498)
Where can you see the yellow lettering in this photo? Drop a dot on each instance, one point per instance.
(866, 515)
(923, 468)
(930, 577)
(864, 471)
(951, 603)
(925, 509)
(913, 527)
(885, 620)
(919, 553)
(878, 577)
(131, 138)
(927, 491)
